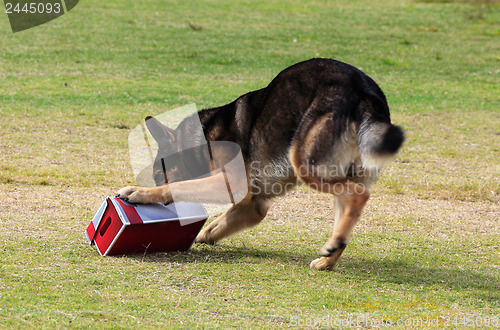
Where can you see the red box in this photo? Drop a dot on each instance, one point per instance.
(123, 228)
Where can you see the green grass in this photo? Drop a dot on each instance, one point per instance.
(426, 247)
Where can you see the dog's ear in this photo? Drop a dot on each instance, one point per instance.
(161, 133)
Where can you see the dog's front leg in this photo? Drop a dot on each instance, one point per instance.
(212, 189)
(247, 213)
(143, 195)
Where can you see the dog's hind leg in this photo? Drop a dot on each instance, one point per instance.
(321, 159)
(350, 200)
(245, 214)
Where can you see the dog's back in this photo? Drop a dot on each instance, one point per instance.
(321, 116)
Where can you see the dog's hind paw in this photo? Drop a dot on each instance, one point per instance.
(330, 257)
(322, 263)
(328, 249)
(319, 264)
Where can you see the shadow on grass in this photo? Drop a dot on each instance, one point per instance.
(220, 253)
(379, 270)
(411, 273)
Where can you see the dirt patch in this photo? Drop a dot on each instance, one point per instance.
(395, 213)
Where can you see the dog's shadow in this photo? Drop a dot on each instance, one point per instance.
(363, 269)
(448, 277)
(203, 253)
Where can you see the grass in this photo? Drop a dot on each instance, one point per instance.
(426, 247)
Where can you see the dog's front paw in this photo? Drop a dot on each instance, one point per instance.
(133, 195)
(203, 238)
(142, 195)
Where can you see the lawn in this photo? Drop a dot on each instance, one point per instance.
(426, 249)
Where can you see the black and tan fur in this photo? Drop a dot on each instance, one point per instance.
(320, 122)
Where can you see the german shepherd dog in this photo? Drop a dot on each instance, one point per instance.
(321, 122)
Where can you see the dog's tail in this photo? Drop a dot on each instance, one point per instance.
(378, 142)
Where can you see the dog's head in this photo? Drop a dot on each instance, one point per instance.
(167, 166)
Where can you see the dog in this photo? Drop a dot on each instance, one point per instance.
(321, 122)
